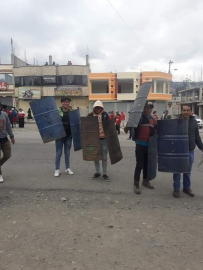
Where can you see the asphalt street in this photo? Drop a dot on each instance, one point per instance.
(32, 167)
(72, 222)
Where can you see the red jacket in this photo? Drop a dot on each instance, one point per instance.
(122, 116)
(118, 119)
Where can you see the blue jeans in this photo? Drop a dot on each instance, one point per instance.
(186, 176)
(104, 152)
(66, 142)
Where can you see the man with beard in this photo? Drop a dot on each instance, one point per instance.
(194, 139)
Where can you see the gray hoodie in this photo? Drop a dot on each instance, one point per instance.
(5, 126)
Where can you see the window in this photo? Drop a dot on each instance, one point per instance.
(73, 80)
(100, 87)
(8, 78)
(28, 81)
(125, 86)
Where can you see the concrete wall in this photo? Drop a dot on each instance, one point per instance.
(17, 62)
(72, 70)
(6, 69)
(28, 71)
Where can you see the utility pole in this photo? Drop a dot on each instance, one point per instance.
(169, 69)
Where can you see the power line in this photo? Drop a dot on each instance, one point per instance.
(129, 27)
(114, 58)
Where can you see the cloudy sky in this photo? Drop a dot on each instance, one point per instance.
(119, 35)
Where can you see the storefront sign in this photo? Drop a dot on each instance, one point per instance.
(68, 91)
(29, 94)
(3, 86)
(49, 80)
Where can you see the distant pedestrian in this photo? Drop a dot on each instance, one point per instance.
(14, 113)
(122, 119)
(111, 116)
(165, 115)
(118, 122)
(5, 146)
(155, 115)
(21, 120)
(29, 114)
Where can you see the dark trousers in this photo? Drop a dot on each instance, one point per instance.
(6, 149)
(130, 133)
(118, 129)
(141, 153)
(21, 122)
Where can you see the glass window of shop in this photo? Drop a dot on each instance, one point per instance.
(8, 78)
(73, 80)
(28, 81)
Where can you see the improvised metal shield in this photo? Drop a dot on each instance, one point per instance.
(112, 141)
(152, 158)
(173, 146)
(48, 120)
(138, 105)
(75, 125)
(90, 138)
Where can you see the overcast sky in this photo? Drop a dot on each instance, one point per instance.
(148, 34)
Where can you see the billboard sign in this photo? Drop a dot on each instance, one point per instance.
(29, 94)
(49, 80)
(68, 91)
(3, 86)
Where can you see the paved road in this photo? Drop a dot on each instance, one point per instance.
(101, 225)
(32, 167)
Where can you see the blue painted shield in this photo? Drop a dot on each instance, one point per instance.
(75, 125)
(173, 146)
(48, 120)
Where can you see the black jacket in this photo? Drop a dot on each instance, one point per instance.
(105, 116)
(194, 137)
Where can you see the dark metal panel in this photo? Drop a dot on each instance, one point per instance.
(138, 105)
(173, 146)
(75, 125)
(48, 120)
(152, 158)
(90, 138)
(112, 141)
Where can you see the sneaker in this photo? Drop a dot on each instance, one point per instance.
(147, 184)
(137, 189)
(96, 175)
(105, 177)
(188, 191)
(176, 193)
(68, 171)
(1, 179)
(57, 173)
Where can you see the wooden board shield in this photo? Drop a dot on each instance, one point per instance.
(90, 138)
(152, 158)
(112, 141)
(75, 125)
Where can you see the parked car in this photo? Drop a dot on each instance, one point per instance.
(199, 121)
